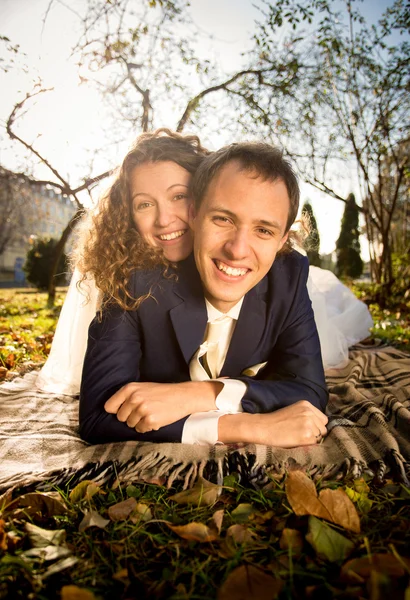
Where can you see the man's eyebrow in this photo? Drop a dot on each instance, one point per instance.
(170, 188)
(271, 224)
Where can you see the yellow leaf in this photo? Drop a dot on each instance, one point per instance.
(73, 592)
(203, 493)
(197, 532)
(243, 512)
(333, 505)
(81, 489)
(248, 582)
(141, 512)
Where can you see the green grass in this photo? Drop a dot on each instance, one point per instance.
(127, 559)
(26, 328)
(148, 560)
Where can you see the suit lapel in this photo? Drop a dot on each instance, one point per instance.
(248, 331)
(189, 317)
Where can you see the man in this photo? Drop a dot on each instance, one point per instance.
(152, 374)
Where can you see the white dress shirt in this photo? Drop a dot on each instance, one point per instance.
(202, 428)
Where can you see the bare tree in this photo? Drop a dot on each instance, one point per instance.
(351, 108)
(146, 69)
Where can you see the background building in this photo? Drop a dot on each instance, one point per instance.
(27, 211)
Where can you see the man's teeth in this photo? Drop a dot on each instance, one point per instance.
(171, 236)
(230, 270)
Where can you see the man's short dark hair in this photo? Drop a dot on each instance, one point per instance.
(265, 160)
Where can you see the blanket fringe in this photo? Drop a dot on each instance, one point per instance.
(160, 469)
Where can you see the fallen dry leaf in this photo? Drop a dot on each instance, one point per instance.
(240, 534)
(73, 592)
(35, 503)
(217, 519)
(359, 569)
(291, 540)
(141, 512)
(92, 519)
(243, 512)
(122, 510)
(247, 582)
(40, 538)
(333, 505)
(194, 531)
(3, 536)
(203, 493)
(84, 491)
(60, 565)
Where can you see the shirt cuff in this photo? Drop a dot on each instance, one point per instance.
(229, 399)
(201, 428)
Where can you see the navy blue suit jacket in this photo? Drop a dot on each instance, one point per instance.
(157, 341)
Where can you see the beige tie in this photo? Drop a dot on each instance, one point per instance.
(211, 352)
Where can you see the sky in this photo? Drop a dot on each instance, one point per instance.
(67, 123)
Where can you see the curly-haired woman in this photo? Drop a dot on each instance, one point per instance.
(142, 221)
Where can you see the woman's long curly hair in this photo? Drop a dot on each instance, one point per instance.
(109, 247)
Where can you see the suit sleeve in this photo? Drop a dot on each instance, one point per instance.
(294, 370)
(113, 358)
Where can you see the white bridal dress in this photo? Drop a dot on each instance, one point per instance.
(342, 320)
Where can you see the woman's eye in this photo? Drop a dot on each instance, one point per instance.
(143, 205)
(180, 197)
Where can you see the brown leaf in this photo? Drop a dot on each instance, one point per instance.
(92, 519)
(194, 531)
(203, 493)
(217, 519)
(359, 569)
(3, 536)
(247, 582)
(240, 534)
(122, 510)
(35, 503)
(73, 592)
(291, 540)
(333, 505)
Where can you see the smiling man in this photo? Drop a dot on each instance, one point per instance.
(228, 351)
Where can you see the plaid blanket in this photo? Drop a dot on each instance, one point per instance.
(369, 430)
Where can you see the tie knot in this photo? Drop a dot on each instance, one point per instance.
(215, 329)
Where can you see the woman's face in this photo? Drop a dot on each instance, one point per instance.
(160, 207)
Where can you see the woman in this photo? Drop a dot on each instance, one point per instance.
(142, 220)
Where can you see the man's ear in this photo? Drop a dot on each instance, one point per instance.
(191, 215)
(283, 240)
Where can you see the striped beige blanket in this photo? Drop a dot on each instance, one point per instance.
(369, 431)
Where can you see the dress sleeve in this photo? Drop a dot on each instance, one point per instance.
(61, 373)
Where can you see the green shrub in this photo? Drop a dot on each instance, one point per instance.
(38, 264)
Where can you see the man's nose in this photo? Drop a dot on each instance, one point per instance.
(164, 216)
(237, 246)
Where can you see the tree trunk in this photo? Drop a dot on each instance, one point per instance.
(58, 251)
